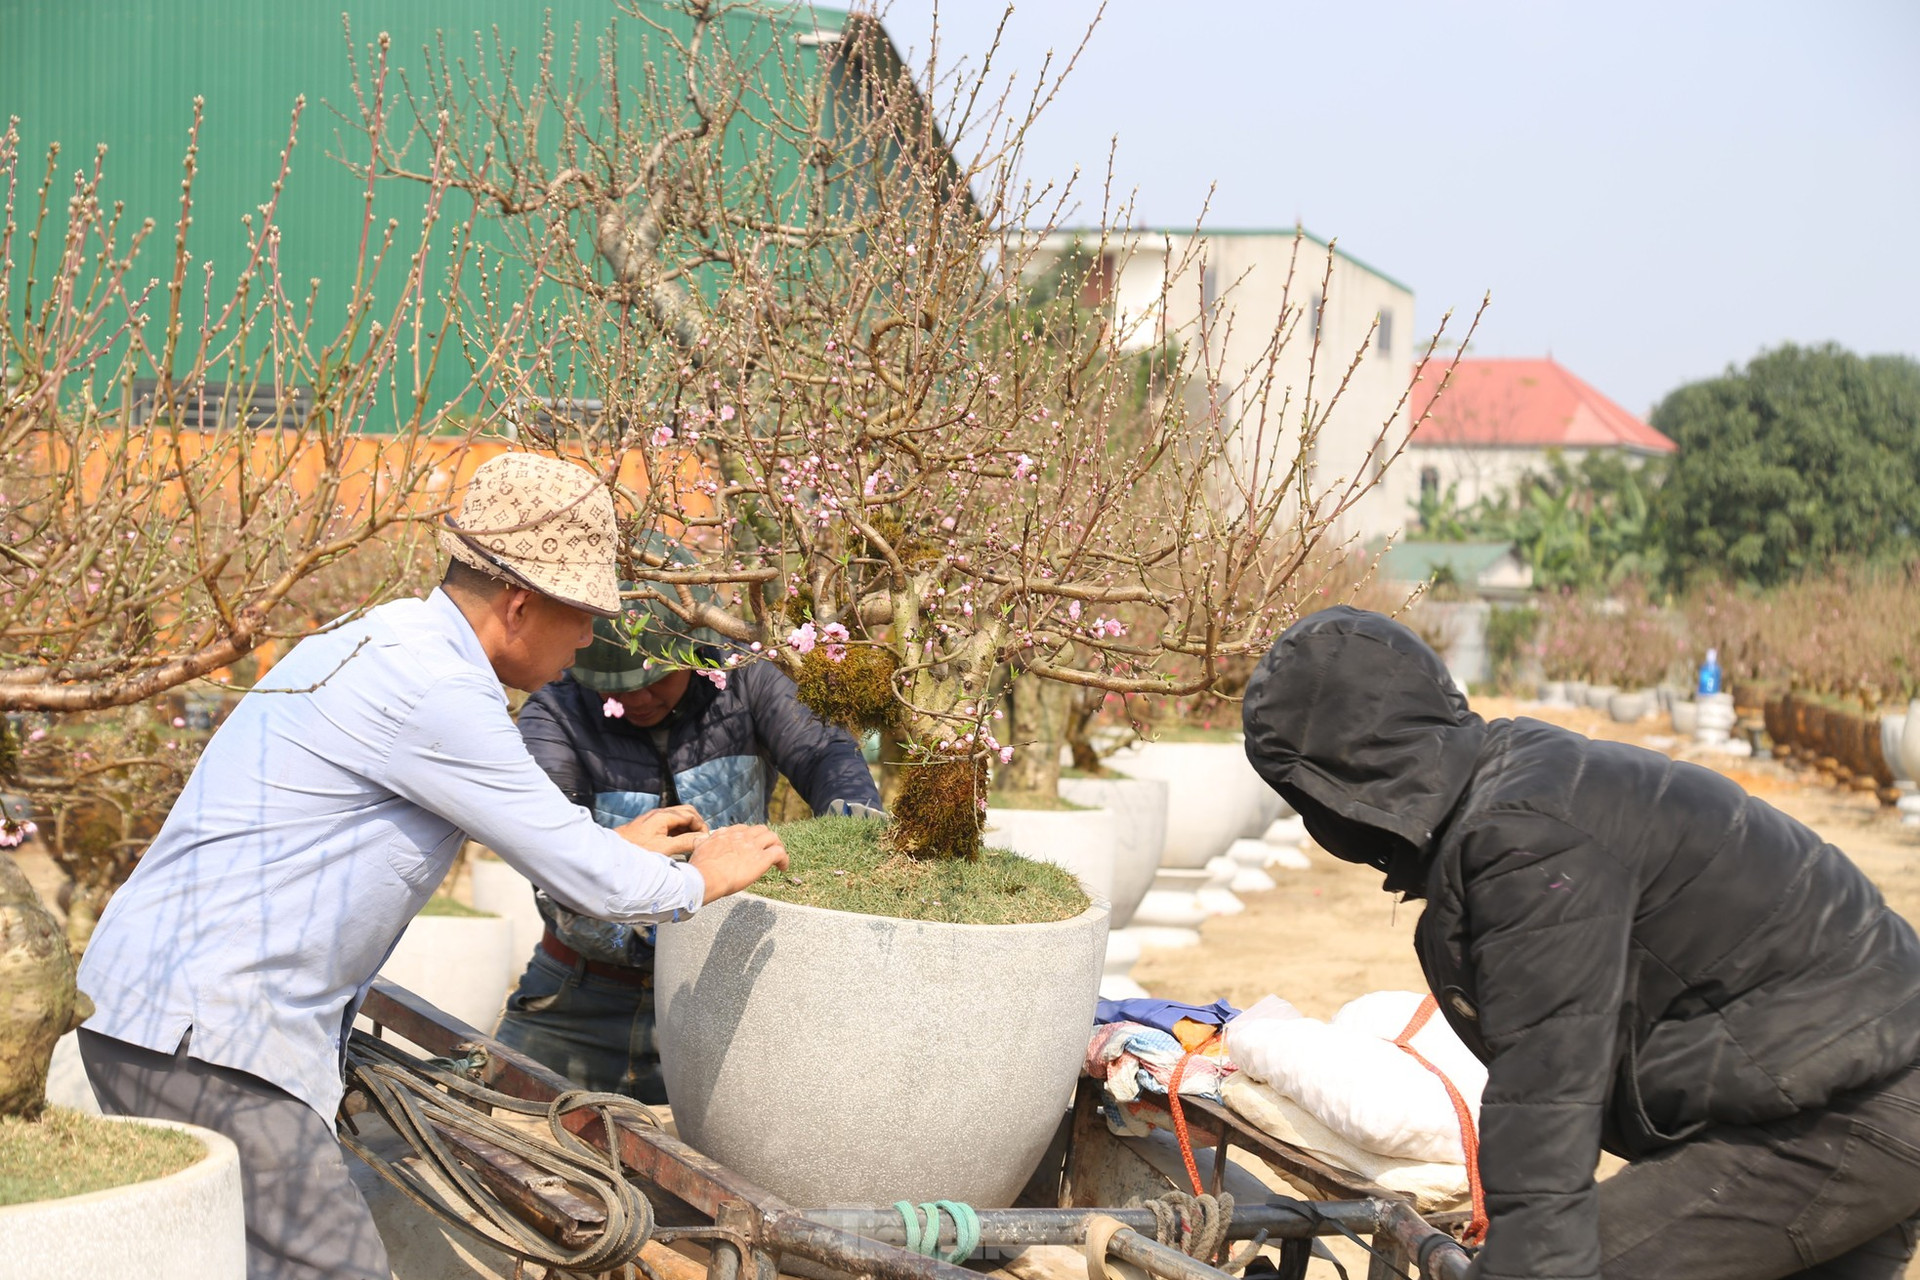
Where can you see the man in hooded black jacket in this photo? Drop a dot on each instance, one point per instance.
(1649, 961)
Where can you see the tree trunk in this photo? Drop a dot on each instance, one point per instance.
(38, 1000)
(1083, 710)
(1041, 710)
(939, 809)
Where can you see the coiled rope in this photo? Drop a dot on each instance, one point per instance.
(924, 1239)
(419, 1098)
(1196, 1226)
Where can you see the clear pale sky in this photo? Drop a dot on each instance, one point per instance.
(1651, 191)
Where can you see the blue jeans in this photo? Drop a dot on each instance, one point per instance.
(596, 1032)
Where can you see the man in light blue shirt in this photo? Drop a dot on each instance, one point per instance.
(227, 971)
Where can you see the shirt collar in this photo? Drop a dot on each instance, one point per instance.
(446, 614)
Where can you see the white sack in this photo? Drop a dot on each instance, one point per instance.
(1433, 1187)
(1349, 1075)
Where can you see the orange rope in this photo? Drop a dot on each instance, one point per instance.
(1180, 1123)
(1469, 1139)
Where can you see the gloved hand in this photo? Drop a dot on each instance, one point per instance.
(854, 809)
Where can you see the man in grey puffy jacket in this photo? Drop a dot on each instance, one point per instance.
(650, 716)
(1648, 959)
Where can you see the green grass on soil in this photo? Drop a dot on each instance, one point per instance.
(839, 864)
(441, 905)
(65, 1153)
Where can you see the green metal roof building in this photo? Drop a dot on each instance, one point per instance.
(125, 73)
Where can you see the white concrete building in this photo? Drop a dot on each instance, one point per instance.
(1233, 290)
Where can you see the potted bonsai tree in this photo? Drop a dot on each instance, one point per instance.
(910, 486)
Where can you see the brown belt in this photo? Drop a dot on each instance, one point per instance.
(625, 975)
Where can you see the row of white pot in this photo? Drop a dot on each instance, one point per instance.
(1112, 845)
(1577, 693)
(1708, 720)
(1218, 811)
(1624, 705)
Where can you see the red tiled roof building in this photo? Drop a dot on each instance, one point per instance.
(1501, 419)
(1526, 404)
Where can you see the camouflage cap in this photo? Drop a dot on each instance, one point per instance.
(648, 640)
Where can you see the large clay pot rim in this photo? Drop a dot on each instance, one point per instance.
(1078, 811)
(199, 1169)
(1095, 904)
(1232, 740)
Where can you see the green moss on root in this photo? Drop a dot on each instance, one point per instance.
(857, 691)
(937, 811)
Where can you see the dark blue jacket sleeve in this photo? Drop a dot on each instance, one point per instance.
(543, 727)
(823, 763)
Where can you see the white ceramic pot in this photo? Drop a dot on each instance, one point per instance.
(1116, 975)
(1892, 729)
(1910, 741)
(1171, 913)
(499, 889)
(1212, 794)
(1714, 719)
(841, 1059)
(1686, 717)
(1265, 807)
(460, 964)
(1286, 843)
(1250, 858)
(1139, 807)
(67, 1083)
(1216, 893)
(1628, 708)
(1081, 840)
(185, 1226)
(1598, 694)
(1553, 693)
(1577, 693)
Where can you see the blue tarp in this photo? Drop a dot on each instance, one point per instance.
(1161, 1013)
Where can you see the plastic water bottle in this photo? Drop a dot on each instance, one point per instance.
(1710, 674)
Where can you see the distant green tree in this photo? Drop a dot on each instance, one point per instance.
(1580, 525)
(1806, 456)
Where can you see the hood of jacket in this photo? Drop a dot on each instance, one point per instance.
(1359, 726)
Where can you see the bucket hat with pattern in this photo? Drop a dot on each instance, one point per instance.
(542, 523)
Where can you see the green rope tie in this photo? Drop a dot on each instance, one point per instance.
(923, 1238)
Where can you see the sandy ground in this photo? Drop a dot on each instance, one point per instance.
(1329, 934)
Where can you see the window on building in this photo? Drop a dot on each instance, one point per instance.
(1318, 307)
(210, 406)
(1429, 484)
(1386, 331)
